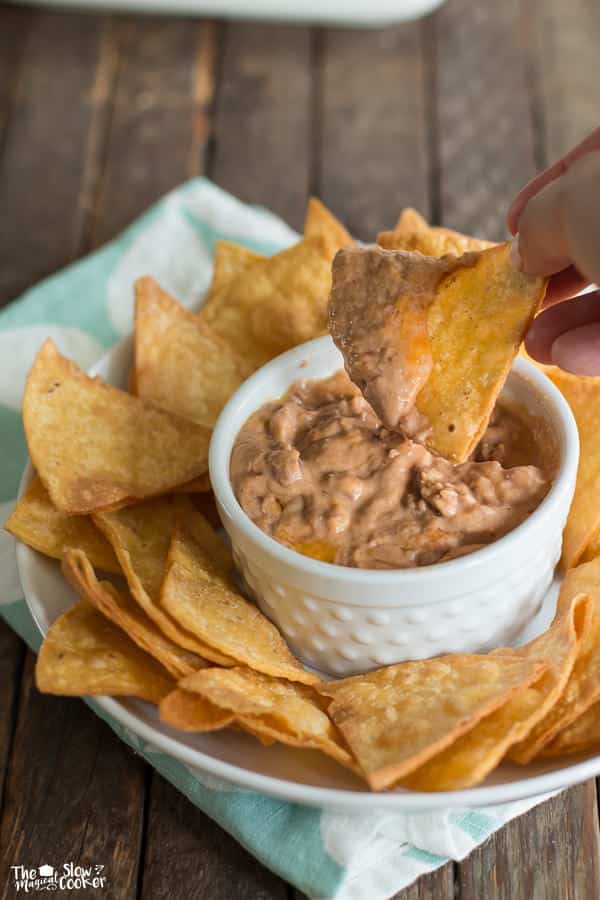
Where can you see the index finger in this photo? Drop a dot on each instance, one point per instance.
(591, 142)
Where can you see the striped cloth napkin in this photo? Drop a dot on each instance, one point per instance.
(85, 309)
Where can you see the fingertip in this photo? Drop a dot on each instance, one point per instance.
(578, 350)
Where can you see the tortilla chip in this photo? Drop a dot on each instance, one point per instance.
(230, 260)
(581, 735)
(95, 446)
(124, 612)
(473, 756)
(38, 523)
(593, 548)
(180, 363)
(321, 226)
(200, 485)
(191, 712)
(583, 686)
(85, 654)
(141, 536)
(197, 596)
(397, 718)
(413, 232)
(275, 303)
(269, 708)
(583, 524)
(439, 333)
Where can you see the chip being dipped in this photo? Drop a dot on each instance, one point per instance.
(430, 342)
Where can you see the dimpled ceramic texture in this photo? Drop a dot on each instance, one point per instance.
(341, 620)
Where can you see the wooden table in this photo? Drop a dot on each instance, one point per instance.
(99, 116)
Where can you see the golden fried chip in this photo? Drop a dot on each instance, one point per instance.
(593, 548)
(430, 342)
(583, 524)
(583, 686)
(277, 302)
(196, 595)
(124, 612)
(37, 522)
(191, 712)
(413, 232)
(471, 757)
(181, 364)
(95, 446)
(322, 227)
(84, 653)
(268, 707)
(397, 718)
(200, 485)
(230, 260)
(581, 735)
(141, 536)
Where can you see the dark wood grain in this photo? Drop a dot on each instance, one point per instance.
(550, 853)
(73, 794)
(16, 24)
(485, 143)
(189, 856)
(158, 128)
(12, 654)
(41, 168)
(565, 39)
(373, 125)
(262, 125)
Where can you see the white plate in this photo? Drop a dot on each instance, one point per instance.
(299, 775)
(333, 12)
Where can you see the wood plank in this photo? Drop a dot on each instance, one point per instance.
(188, 855)
(12, 653)
(483, 115)
(373, 126)
(565, 39)
(44, 150)
(159, 120)
(73, 794)
(550, 853)
(14, 27)
(262, 125)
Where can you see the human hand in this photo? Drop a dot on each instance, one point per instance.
(556, 218)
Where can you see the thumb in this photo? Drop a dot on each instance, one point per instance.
(560, 225)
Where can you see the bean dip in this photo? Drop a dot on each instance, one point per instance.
(319, 472)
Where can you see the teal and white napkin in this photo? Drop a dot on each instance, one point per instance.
(85, 309)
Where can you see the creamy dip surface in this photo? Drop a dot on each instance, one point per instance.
(319, 472)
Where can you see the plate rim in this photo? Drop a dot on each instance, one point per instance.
(282, 788)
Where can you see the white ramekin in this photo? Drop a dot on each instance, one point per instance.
(342, 620)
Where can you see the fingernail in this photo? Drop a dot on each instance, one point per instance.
(578, 350)
(515, 254)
